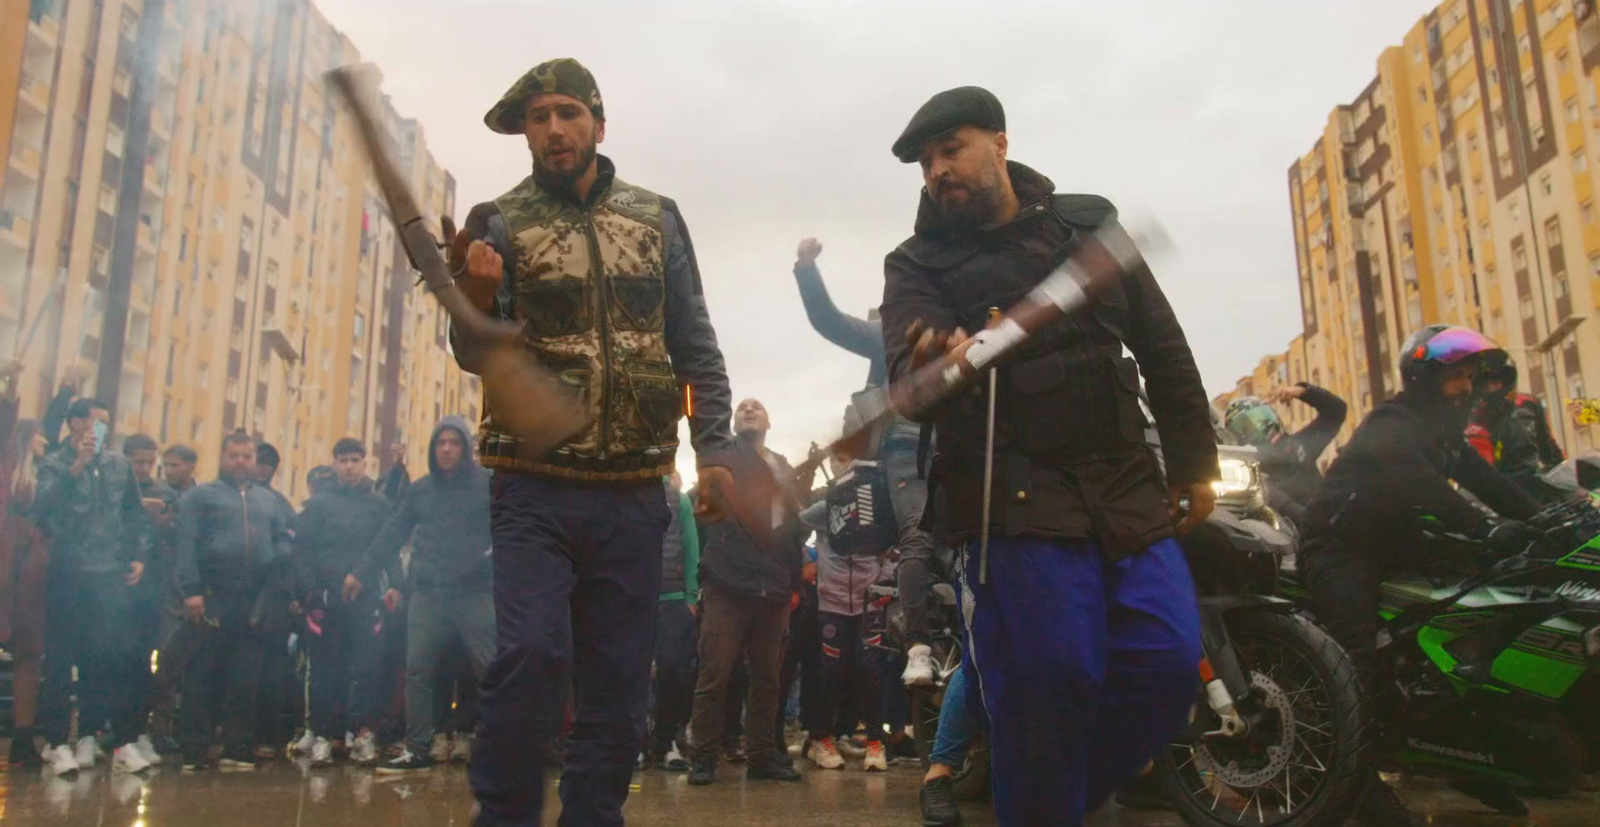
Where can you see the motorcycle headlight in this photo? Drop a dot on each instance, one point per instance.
(1238, 477)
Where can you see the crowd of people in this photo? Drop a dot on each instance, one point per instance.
(214, 625)
(522, 585)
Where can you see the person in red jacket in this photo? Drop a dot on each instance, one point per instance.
(23, 562)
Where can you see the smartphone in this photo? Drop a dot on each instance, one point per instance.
(101, 430)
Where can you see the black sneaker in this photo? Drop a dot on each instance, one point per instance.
(703, 773)
(770, 769)
(938, 799)
(24, 755)
(407, 761)
(1382, 807)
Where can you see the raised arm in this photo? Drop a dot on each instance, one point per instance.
(859, 336)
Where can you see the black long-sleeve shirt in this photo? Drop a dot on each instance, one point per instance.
(1290, 464)
(1398, 467)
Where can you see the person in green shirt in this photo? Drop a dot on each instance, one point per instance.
(675, 632)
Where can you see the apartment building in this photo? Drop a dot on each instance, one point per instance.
(187, 215)
(1457, 187)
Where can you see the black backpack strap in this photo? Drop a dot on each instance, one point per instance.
(924, 445)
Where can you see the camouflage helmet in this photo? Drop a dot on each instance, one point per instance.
(1253, 421)
(563, 76)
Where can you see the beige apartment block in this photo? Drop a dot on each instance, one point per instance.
(186, 215)
(1458, 188)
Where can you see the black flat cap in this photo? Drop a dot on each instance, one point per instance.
(947, 111)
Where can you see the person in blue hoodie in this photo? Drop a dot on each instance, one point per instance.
(445, 516)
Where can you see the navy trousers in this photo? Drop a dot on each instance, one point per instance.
(1085, 668)
(577, 573)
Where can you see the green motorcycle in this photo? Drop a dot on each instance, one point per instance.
(1496, 677)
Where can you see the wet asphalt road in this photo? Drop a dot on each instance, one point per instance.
(288, 794)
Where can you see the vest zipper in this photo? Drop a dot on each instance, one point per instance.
(597, 274)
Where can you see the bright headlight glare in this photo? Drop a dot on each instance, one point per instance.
(1237, 477)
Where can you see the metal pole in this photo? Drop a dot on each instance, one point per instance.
(988, 470)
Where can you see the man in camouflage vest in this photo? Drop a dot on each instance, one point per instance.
(602, 276)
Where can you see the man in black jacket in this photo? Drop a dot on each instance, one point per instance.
(1288, 461)
(330, 536)
(445, 516)
(750, 583)
(1362, 526)
(1081, 616)
(88, 505)
(233, 554)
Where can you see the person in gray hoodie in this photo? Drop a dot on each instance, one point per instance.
(445, 516)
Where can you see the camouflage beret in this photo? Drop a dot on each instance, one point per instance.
(563, 76)
(946, 112)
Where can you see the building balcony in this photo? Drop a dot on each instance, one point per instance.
(44, 27)
(155, 178)
(147, 239)
(34, 93)
(15, 230)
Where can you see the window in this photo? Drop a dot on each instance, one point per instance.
(1527, 308)
(1572, 110)
(1580, 161)
(1559, 287)
(1552, 232)
(1562, 63)
(1587, 208)
(1522, 42)
(1472, 141)
(1519, 257)
(1516, 211)
(1546, 184)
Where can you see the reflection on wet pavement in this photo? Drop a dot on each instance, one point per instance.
(289, 794)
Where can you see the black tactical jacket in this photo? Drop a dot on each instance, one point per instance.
(1071, 459)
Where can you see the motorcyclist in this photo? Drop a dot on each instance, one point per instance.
(1499, 429)
(1398, 464)
(1288, 461)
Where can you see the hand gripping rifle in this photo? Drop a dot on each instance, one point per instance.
(1102, 258)
(525, 398)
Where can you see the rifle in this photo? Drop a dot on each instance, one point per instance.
(526, 398)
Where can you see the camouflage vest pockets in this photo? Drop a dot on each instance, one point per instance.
(590, 285)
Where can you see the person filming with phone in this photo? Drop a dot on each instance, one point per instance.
(89, 505)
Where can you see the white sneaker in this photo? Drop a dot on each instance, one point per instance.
(87, 750)
(461, 748)
(876, 760)
(303, 745)
(321, 752)
(825, 755)
(61, 760)
(364, 750)
(127, 759)
(919, 666)
(147, 751)
(440, 751)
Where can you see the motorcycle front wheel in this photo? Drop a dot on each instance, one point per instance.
(1304, 759)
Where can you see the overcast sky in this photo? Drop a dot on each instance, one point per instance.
(771, 121)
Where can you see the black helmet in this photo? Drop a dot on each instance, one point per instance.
(1429, 351)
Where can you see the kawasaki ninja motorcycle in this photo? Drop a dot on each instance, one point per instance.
(1494, 679)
